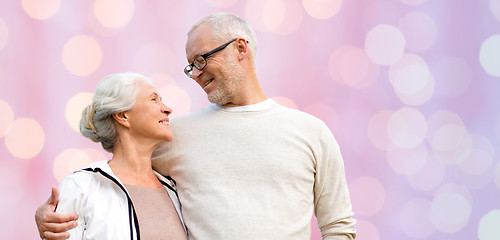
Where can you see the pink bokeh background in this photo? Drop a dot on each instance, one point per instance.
(408, 87)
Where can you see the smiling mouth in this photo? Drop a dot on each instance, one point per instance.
(208, 82)
(165, 123)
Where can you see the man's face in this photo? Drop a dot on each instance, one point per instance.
(221, 77)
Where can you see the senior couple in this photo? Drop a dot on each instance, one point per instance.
(245, 167)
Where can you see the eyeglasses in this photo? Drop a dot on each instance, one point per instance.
(201, 60)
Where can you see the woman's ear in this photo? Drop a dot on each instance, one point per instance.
(121, 118)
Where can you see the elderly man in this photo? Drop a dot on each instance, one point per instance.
(246, 167)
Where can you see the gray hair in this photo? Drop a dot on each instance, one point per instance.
(227, 26)
(114, 94)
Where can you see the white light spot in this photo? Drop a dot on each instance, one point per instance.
(322, 9)
(114, 13)
(407, 161)
(350, 66)
(24, 138)
(430, 176)
(419, 30)
(489, 55)
(407, 128)
(74, 108)
(82, 55)
(495, 8)
(451, 143)
(41, 9)
(68, 161)
(488, 226)
(450, 212)
(415, 218)
(384, 44)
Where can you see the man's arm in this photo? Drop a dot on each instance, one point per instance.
(331, 196)
(52, 225)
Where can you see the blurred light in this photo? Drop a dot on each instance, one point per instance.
(451, 143)
(41, 9)
(24, 138)
(265, 15)
(450, 212)
(176, 98)
(274, 16)
(430, 176)
(367, 195)
(412, 2)
(68, 161)
(81, 55)
(273, 13)
(489, 55)
(155, 58)
(377, 129)
(419, 30)
(488, 226)
(453, 76)
(114, 13)
(4, 34)
(415, 218)
(221, 3)
(74, 108)
(322, 9)
(497, 175)
(495, 8)
(366, 230)
(477, 162)
(159, 79)
(441, 118)
(412, 80)
(6, 116)
(350, 66)
(325, 113)
(407, 161)
(287, 102)
(97, 155)
(384, 44)
(407, 128)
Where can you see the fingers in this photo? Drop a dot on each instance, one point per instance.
(53, 225)
(53, 199)
(55, 236)
(58, 218)
(58, 227)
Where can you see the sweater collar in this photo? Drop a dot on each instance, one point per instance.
(266, 104)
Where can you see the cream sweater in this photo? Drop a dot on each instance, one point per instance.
(257, 172)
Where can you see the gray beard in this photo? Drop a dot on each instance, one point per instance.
(228, 86)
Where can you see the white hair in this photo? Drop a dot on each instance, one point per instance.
(114, 94)
(227, 26)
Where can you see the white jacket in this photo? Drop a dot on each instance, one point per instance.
(103, 204)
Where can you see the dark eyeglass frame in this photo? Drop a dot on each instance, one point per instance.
(200, 61)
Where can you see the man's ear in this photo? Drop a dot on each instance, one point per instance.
(242, 46)
(121, 118)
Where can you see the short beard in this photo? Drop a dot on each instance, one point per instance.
(228, 85)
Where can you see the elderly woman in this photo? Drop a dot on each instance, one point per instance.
(123, 198)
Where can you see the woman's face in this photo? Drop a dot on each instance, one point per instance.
(148, 117)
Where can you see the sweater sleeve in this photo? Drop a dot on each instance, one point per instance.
(71, 200)
(331, 195)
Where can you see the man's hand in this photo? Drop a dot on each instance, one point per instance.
(52, 225)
